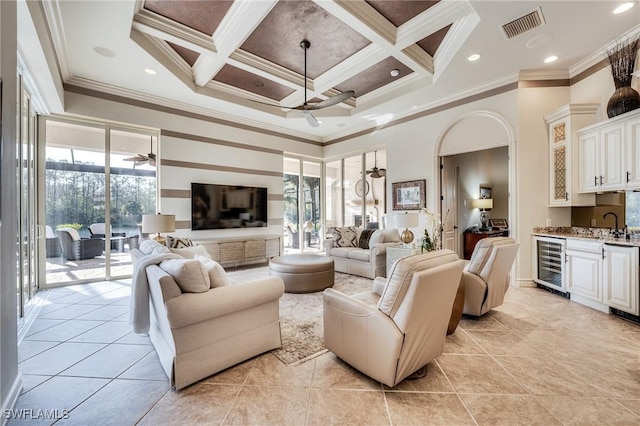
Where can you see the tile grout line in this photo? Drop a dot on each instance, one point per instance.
(456, 391)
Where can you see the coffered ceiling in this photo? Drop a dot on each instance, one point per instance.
(241, 60)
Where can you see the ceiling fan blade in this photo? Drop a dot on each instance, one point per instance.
(310, 118)
(333, 100)
(138, 157)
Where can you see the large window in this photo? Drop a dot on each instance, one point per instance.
(355, 191)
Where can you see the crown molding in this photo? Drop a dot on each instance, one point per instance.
(369, 21)
(164, 28)
(419, 111)
(53, 17)
(106, 91)
(453, 41)
(419, 56)
(431, 20)
(599, 55)
(245, 15)
(571, 109)
(536, 75)
(259, 66)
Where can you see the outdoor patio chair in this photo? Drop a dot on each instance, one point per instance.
(76, 248)
(97, 230)
(52, 242)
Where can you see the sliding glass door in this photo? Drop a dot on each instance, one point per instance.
(303, 224)
(27, 279)
(98, 184)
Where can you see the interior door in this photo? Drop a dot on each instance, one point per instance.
(448, 205)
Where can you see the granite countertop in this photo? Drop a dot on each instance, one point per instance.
(603, 235)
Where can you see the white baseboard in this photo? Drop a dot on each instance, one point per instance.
(524, 282)
(12, 398)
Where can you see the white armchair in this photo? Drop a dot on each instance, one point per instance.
(486, 276)
(391, 336)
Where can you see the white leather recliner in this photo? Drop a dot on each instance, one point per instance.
(391, 336)
(487, 275)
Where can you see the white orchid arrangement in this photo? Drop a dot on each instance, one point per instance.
(433, 242)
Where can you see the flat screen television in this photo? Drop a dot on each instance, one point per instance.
(227, 206)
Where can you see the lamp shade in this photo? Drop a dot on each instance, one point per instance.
(482, 203)
(406, 220)
(157, 223)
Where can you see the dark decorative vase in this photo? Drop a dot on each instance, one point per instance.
(624, 99)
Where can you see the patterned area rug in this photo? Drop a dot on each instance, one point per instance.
(301, 314)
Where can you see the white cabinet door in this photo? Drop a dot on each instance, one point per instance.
(633, 154)
(589, 154)
(621, 278)
(584, 274)
(611, 151)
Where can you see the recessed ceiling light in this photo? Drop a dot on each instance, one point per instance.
(103, 51)
(394, 72)
(550, 59)
(623, 7)
(150, 71)
(474, 57)
(257, 83)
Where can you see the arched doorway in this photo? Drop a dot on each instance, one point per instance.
(476, 150)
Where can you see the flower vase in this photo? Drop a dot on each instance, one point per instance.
(624, 99)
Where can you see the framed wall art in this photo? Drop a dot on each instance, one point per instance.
(410, 195)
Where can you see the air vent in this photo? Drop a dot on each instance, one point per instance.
(523, 24)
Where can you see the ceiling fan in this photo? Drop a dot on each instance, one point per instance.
(376, 172)
(306, 107)
(141, 159)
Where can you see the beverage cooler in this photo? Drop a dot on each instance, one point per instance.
(548, 263)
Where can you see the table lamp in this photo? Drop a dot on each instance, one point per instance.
(158, 223)
(483, 204)
(406, 220)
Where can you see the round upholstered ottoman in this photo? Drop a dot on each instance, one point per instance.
(303, 273)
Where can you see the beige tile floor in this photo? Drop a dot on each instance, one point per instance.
(538, 359)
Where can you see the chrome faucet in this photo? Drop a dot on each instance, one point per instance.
(616, 232)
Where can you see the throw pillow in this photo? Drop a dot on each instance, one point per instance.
(365, 237)
(345, 237)
(217, 274)
(190, 252)
(178, 242)
(189, 274)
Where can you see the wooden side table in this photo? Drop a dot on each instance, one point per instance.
(472, 238)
